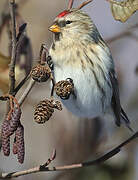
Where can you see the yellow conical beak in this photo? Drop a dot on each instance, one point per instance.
(54, 28)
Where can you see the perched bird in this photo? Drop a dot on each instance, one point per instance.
(79, 52)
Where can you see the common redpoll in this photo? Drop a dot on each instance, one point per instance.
(79, 52)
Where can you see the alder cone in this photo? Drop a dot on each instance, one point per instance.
(45, 109)
(40, 73)
(64, 88)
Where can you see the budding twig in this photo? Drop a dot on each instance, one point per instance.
(72, 166)
(14, 41)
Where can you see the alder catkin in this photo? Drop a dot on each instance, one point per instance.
(5, 138)
(12, 125)
(15, 119)
(19, 134)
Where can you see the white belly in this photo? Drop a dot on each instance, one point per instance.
(89, 101)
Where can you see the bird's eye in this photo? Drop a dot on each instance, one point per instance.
(68, 22)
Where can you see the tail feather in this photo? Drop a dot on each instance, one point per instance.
(124, 116)
(125, 119)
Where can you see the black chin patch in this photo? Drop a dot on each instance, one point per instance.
(57, 36)
(53, 46)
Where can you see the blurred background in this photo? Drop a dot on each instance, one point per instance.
(76, 140)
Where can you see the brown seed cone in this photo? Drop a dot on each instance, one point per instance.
(5, 138)
(19, 134)
(57, 105)
(45, 109)
(64, 88)
(41, 73)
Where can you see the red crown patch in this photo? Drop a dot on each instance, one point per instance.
(64, 13)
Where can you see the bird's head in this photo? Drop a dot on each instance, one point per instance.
(73, 23)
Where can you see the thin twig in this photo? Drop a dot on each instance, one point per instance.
(52, 158)
(13, 56)
(43, 54)
(84, 4)
(20, 85)
(41, 168)
(70, 4)
(26, 92)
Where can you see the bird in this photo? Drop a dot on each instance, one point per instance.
(79, 52)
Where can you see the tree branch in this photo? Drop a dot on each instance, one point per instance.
(42, 168)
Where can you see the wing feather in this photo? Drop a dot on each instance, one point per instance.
(115, 98)
(116, 106)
